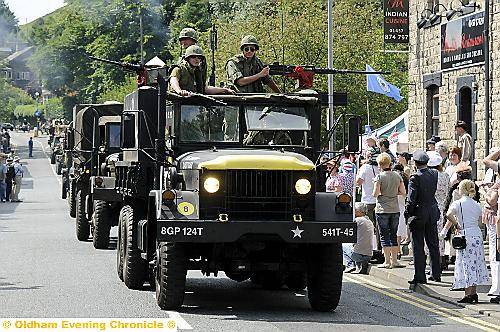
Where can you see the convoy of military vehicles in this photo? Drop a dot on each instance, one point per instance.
(226, 183)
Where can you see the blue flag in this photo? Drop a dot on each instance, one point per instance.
(376, 83)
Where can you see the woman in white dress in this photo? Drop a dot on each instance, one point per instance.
(470, 266)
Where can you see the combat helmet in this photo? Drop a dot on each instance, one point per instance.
(189, 33)
(193, 50)
(249, 40)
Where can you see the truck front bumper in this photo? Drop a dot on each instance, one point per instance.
(213, 231)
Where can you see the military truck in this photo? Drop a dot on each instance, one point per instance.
(106, 200)
(232, 184)
(91, 142)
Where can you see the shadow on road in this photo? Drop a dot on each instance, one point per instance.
(8, 286)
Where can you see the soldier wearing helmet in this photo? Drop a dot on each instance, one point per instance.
(188, 76)
(246, 72)
(188, 37)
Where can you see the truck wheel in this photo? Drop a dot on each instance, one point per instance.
(238, 276)
(119, 246)
(64, 188)
(101, 224)
(135, 268)
(271, 280)
(71, 200)
(296, 281)
(324, 276)
(59, 168)
(171, 269)
(53, 158)
(82, 224)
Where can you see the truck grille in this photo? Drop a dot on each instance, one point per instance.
(259, 194)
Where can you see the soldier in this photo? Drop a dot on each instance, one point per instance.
(188, 77)
(188, 37)
(246, 72)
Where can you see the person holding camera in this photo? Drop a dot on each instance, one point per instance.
(491, 214)
(470, 265)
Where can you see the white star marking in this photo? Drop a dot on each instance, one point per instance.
(297, 232)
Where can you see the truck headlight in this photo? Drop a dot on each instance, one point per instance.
(211, 185)
(303, 186)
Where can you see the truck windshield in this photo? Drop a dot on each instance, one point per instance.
(114, 135)
(209, 123)
(276, 118)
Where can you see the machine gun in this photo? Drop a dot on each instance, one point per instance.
(213, 48)
(305, 74)
(140, 70)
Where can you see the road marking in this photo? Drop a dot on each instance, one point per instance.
(181, 323)
(425, 302)
(51, 167)
(451, 314)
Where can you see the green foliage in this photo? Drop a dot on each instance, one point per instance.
(8, 23)
(289, 31)
(118, 92)
(10, 97)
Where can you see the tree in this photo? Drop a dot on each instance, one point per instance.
(8, 23)
(10, 98)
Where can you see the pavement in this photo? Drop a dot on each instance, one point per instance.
(438, 290)
(46, 273)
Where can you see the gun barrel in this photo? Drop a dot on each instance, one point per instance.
(276, 69)
(124, 65)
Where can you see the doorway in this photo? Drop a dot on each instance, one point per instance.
(465, 107)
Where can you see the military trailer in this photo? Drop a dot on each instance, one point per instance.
(90, 148)
(229, 184)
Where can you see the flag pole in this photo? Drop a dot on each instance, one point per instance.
(368, 109)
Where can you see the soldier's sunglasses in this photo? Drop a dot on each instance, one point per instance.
(249, 49)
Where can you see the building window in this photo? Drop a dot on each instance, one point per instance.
(432, 111)
(435, 114)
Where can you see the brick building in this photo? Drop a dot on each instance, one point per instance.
(447, 73)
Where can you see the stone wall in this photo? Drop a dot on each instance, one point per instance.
(424, 61)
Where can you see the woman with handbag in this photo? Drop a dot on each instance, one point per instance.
(470, 265)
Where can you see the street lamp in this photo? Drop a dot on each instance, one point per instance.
(466, 8)
(423, 18)
(435, 16)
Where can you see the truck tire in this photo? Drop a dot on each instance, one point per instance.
(64, 188)
(82, 224)
(59, 168)
(71, 200)
(52, 158)
(101, 224)
(324, 276)
(119, 246)
(171, 270)
(296, 281)
(135, 268)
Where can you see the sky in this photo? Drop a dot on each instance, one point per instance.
(29, 10)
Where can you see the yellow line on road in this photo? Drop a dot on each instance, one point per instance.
(430, 307)
(428, 303)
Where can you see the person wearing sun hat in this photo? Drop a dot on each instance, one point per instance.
(18, 179)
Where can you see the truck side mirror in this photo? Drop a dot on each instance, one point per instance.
(354, 130)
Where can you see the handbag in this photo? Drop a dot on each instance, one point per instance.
(459, 242)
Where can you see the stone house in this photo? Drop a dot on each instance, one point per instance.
(447, 73)
(15, 69)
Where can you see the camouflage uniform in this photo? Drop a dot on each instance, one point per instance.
(192, 34)
(238, 67)
(190, 78)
